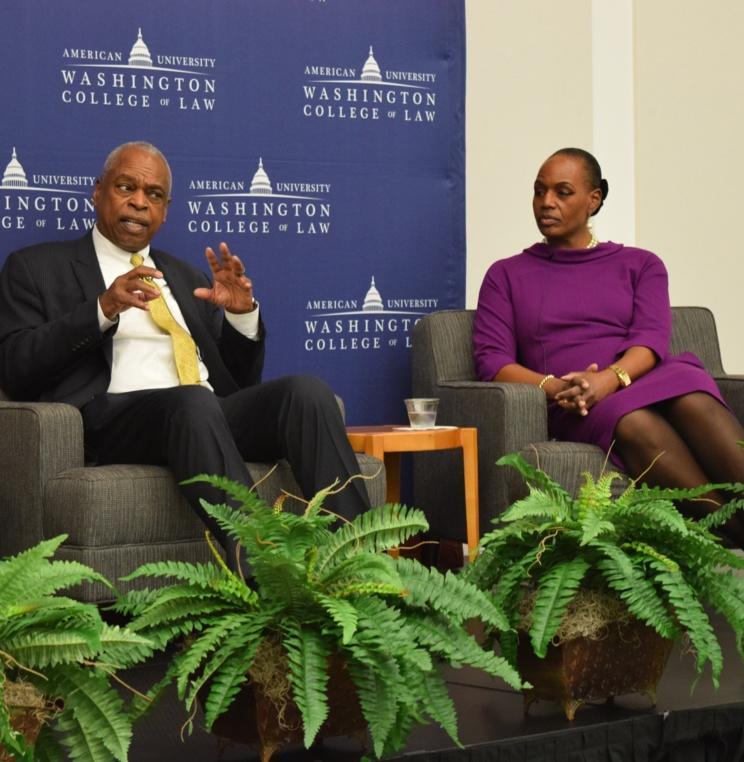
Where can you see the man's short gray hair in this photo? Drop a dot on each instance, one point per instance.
(143, 145)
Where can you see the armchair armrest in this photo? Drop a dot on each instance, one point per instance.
(508, 417)
(490, 406)
(39, 439)
(732, 389)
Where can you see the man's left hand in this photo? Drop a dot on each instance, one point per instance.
(231, 288)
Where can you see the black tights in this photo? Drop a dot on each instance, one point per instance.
(698, 437)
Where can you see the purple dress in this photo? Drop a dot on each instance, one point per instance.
(559, 310)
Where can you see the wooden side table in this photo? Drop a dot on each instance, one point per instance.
(388, 442)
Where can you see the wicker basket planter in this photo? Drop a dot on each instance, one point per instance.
(627, 657)
(28, 711)
(271, 718)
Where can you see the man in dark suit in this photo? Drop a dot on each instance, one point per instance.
(80, 322)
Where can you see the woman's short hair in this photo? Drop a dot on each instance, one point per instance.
(593, 171)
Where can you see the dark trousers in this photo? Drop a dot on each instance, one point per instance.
(193, 431)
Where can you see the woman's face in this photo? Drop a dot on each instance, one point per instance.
(563, 202)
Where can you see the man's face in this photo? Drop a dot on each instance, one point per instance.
(131, 198)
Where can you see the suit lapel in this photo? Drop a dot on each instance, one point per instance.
(86, 269)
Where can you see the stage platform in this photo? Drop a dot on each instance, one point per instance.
(702, 725)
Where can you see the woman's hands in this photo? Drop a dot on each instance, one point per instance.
(583, 389)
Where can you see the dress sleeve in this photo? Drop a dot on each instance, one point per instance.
(494, 340)
(652, 315)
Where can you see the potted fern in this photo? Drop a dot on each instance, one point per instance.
(597, 588)
(321, 601)
(56, 659)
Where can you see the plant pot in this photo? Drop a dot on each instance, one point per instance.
(628, 657)
(256, 717)
(28, 710)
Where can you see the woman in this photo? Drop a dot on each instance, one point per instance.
(589, 323)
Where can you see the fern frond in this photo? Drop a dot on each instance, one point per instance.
(722, 515)
(316, 502)
(47, 748)
(595, 498)
(363, 567)
(379, 529)
(343, 613)
(227, 682)
(593, 526)
(644, 549)
(537, 504)
(431, 690)
(239, 492)
(377, 698)
(639, 595)
(448, 594)
(725, 592)
(122, 648)
(184, 607)
(384, 629)
(693, 618)
(41, 648)
(507, 585)
(658, 515)
(537, 478)
(201, 575)
(283, 581)
(93, 714)
(458, 647)
(238, 641)
(200, 648)
(556, 590)
(307, 654)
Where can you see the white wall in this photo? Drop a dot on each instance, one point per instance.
(689, 74)
(529, 92)
(654, 88)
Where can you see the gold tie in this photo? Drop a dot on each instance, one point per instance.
(184, 348)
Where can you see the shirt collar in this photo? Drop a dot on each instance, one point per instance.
(105, 247)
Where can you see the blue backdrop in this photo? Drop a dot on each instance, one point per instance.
(323, 140)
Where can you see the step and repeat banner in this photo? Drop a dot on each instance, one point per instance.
(323, 140)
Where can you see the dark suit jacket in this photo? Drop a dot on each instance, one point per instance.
(51, 347)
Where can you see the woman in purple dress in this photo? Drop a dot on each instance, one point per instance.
(589, 323)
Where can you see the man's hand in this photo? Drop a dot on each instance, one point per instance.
(129, 290)
(231, 288)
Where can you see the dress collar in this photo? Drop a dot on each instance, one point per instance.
(573, 256)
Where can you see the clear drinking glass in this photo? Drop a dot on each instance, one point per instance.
(422, 412)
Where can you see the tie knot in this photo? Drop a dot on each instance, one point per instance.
(136, 259)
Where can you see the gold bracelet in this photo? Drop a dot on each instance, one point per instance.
(545, 380)
(622, 376)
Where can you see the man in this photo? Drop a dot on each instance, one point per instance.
(84, 322)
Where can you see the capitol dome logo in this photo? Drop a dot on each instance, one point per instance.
(228, 205)
(140, 80)
(370, 93)
(45, 200)
(341, 325)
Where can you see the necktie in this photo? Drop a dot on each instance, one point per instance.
(184, 348)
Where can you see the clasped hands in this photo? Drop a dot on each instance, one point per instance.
(583, 389)
(231, 288)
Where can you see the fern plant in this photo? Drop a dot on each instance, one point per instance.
(316, 592)
(637, 545)
(60, 653)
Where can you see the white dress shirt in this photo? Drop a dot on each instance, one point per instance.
(143, 353)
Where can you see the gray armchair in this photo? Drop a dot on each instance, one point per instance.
(117, 517)
(513, 417)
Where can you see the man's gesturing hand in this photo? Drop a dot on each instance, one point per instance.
(231, 288)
